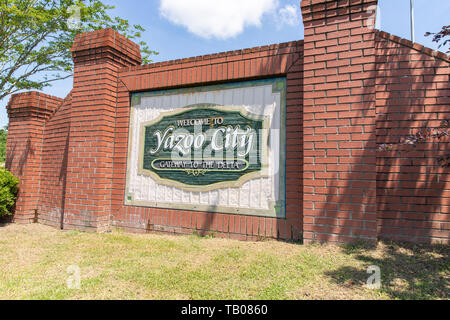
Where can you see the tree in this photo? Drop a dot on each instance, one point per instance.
(3, 136)
(443, 35)
(36, 37)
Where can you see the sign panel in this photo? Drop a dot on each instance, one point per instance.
(215, 148)
(204, 146)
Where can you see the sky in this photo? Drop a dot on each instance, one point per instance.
(186, 28)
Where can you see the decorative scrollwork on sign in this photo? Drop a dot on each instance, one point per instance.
(196, 172)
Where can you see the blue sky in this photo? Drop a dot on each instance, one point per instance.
(185, 28)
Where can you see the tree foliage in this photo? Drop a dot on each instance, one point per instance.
(443, 35)
(3, 136)
(8, 192)
(36, 37)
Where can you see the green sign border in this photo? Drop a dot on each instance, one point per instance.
(277, 209)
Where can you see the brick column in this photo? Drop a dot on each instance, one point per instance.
(339, 121)
(97, 58)
(27, 114)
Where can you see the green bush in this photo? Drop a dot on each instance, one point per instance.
(3, 138)
(8, 192)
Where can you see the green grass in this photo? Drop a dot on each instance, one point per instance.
(34, 261)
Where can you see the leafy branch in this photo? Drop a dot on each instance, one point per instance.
(441, 36)
(423, 136)
(36, 38)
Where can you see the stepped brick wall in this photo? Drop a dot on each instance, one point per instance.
(349, 90)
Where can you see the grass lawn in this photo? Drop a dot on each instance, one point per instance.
(34, 261)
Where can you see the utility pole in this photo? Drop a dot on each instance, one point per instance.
(413, 37)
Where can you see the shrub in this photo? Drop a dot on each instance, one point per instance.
(3, 138)
(8, 192)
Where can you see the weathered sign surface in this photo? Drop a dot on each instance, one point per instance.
(204, 145)
(216, 148)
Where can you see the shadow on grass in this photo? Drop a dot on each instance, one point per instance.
(408, 271)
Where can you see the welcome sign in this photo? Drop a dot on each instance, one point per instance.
(204, 146)
(216, 148)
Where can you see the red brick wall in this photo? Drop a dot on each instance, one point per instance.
(412, 94)
(339, 122)
(97, 56)
(349, 89)
(27, 115)
(283, 59)
(55, 152)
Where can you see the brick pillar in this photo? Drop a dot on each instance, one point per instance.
(27, 114)
(339, 121)
(97, 58)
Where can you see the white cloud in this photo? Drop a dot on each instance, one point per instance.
(217, 18)
(288, 15)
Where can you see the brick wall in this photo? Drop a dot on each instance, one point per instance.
(55, 153)
(339, 122)
(412, 94)
(27, 113)
(283, 59)
(350, 89)
(97, 56)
